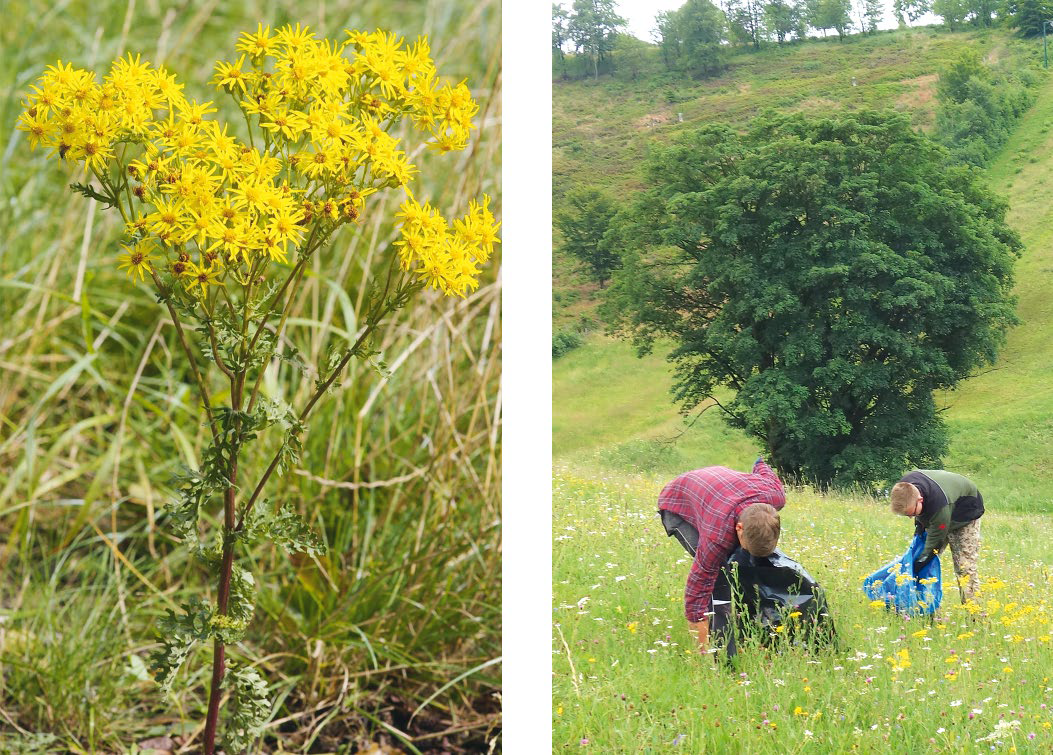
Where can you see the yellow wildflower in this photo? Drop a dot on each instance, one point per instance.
(199, 278)
(138, 259)
(230, 77)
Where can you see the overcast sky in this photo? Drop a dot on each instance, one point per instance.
(640, 15)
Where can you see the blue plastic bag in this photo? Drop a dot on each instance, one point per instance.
(902, 589)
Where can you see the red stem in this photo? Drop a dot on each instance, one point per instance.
(219, 666)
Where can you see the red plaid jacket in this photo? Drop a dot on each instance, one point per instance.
(711, 500)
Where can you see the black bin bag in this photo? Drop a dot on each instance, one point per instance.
(774, 596)
(685, 533)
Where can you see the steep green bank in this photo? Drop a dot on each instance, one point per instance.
(610, 408)
(601, 129)
(1001, 421)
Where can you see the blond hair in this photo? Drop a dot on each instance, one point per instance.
(902, 498)
(760, 528)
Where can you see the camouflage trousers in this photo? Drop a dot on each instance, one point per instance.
(965, 549)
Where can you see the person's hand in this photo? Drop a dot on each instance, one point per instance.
(701, 631)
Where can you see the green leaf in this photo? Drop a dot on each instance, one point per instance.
(284, 528)
(197, 488)
(91, 193)
(178, 635)
(248, 707)
(242, 604)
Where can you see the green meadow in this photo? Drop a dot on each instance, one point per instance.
(625, 678)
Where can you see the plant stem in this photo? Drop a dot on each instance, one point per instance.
(303, 415)
(219, 665)
(263, 320)
(215, 346)
(189, 356)
(295, 276)
(277, 333)
(371, 324)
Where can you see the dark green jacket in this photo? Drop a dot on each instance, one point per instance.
(949, 501)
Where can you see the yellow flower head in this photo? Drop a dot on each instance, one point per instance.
(325, 120)
(137, 258)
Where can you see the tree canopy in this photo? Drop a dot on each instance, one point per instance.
(691, 37)
(1029, 16)
(591, 26)
(830, 14)
(832, 273)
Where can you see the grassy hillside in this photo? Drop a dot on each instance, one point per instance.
(601, 129)
(999, 421)
(612, 409)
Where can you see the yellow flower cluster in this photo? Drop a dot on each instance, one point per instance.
(447, 259)
(319, 115)
(900, 660)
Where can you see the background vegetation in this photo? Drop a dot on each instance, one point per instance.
(602, 131)
(394, 636)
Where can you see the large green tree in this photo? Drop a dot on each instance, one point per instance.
(830, 14)
(832, 273)
(692, 37)
(745, 20)
(909, 11)
(666, 34)
(784, 19)
(560, 37)
(953, 12)
(869, 14)
(703, 28)
(592, 26)
(1028, 16)
(983, 11)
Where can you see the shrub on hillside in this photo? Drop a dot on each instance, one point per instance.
(565, 340)
(978, 108)
(644, 456)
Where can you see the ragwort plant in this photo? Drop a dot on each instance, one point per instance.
(224, 229)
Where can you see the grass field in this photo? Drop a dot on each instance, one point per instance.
(394, 635)
(625, 678)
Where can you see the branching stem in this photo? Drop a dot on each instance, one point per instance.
(189, 356)
(372, 321)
